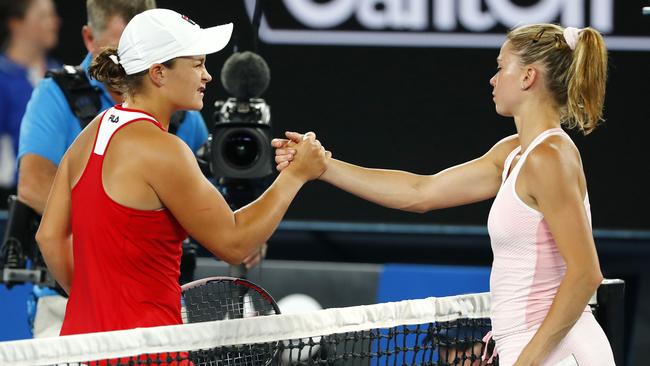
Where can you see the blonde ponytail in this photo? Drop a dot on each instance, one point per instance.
(575, 77)
(587, 77)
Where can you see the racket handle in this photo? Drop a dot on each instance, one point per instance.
(238, 271)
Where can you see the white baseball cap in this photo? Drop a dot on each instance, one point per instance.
(158, 35)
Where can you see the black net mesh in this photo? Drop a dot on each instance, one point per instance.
(457, 342)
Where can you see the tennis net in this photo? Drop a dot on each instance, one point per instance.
(432, 331)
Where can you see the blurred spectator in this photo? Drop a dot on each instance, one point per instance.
(29, 30)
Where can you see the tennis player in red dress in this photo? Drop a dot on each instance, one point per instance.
(127, 192)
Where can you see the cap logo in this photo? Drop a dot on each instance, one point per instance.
(187, 19)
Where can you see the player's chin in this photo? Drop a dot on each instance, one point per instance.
(502, 112)
(194, 105)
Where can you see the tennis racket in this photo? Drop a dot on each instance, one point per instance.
(221, 298)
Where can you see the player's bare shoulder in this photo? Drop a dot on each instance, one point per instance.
(87, 136)
(554, 154)
(158, 150)
(77, 155)
(500, 151)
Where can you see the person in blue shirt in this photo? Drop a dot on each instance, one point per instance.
(29, 30)
(49, 127)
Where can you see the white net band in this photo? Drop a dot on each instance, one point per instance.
(177, 338)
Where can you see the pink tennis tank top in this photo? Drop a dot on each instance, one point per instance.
(527, 268)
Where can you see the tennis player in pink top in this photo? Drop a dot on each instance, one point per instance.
(545, 262)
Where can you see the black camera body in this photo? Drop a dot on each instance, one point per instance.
(240, 141)
(20, 258)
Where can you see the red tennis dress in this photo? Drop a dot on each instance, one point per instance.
(126, 261)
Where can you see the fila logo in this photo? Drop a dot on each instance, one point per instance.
(113, 118)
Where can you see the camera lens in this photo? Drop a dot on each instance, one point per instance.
(241, 149)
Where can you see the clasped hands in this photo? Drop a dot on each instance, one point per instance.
(303, 150)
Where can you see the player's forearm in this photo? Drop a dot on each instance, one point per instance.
(57, 253)
(256, 222)
(572, 297)
(389, 188)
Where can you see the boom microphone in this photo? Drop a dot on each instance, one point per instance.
(245, 75)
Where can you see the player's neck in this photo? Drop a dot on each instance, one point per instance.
(154, 106)
(533, 121)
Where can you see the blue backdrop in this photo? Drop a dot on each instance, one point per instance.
(13, 312)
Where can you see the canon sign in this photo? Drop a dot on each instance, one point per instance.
(448, 23)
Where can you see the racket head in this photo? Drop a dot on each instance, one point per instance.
(221, 298)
